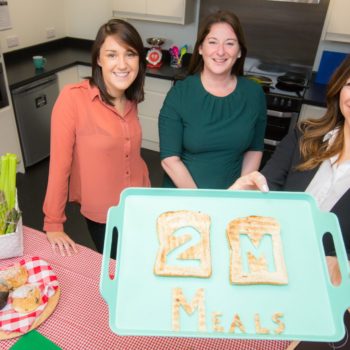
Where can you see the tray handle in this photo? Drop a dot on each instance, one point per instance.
(340, 295)
(108, 283)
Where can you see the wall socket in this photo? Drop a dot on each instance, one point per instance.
(12, 41)
(50, 32)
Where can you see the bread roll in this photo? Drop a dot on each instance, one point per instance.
(15, 276)
(26, 298)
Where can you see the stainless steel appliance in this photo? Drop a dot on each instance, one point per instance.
(33, 104)
(284, 87)
(4, 102)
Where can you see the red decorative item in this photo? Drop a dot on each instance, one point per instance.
(154, 54)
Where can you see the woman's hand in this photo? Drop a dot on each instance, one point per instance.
(61, 243)
(252, 181)
(333, 269)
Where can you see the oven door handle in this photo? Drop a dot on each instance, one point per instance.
(280, 114)
(271, 142)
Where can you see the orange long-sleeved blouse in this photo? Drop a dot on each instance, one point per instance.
(95, 154)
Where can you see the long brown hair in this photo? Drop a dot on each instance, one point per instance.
(128, 35)
(314, 150)
(196, 63)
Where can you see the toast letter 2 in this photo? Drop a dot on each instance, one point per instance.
(167, 225)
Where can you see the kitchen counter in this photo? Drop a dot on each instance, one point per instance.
(67, 52)
(62, 54)
(316, 94)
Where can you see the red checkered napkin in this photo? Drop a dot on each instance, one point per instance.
(41, 274)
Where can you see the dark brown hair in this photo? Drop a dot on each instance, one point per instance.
(196, 62)
(128, 35)
(313, 148)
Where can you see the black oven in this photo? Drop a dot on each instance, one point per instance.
(284, 87)
(282, 115)
(3, 91)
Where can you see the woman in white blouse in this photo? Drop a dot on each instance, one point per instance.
(315, 157)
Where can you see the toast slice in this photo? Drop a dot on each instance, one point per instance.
(170, 222)
(255, 227)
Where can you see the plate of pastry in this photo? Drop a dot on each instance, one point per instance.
(29, 293)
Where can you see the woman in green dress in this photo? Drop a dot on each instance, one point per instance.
(212, 124)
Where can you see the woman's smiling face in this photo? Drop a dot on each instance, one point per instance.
(119, 64)
(220, 49)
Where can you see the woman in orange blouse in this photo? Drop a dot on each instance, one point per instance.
(96, 136)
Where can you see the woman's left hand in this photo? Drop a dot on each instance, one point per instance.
(61, 243)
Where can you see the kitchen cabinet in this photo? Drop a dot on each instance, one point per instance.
(175, 11)
(73, 75)
(67, 76)
(311, 112)
(337, 21)
(84, 72)
(155, 93)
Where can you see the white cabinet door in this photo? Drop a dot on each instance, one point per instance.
(84, 72)
(174, 8)
(130, 6)
(174, 11)
(67, 76)
(311, 112)
(338, 28)
(155, 93)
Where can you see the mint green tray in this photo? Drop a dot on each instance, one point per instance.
(140, 302)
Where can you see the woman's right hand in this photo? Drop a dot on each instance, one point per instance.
(251, 181)
(61, 243)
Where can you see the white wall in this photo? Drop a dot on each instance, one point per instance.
(81, 19)
(30, 19)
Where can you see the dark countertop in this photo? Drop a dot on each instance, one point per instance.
(62, 54)
(316, 94)
(68, 52)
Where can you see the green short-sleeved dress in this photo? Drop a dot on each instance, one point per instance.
(211, 134)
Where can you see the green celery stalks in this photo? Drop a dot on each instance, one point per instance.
(2, 172)
(8, 192)
(3, 211)
(12, 218)
(3, 206)
(4, 175)
(12, 166)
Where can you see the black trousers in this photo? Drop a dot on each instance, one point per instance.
(97, 233)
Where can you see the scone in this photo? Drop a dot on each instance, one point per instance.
(26, 298)
(15, 276)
